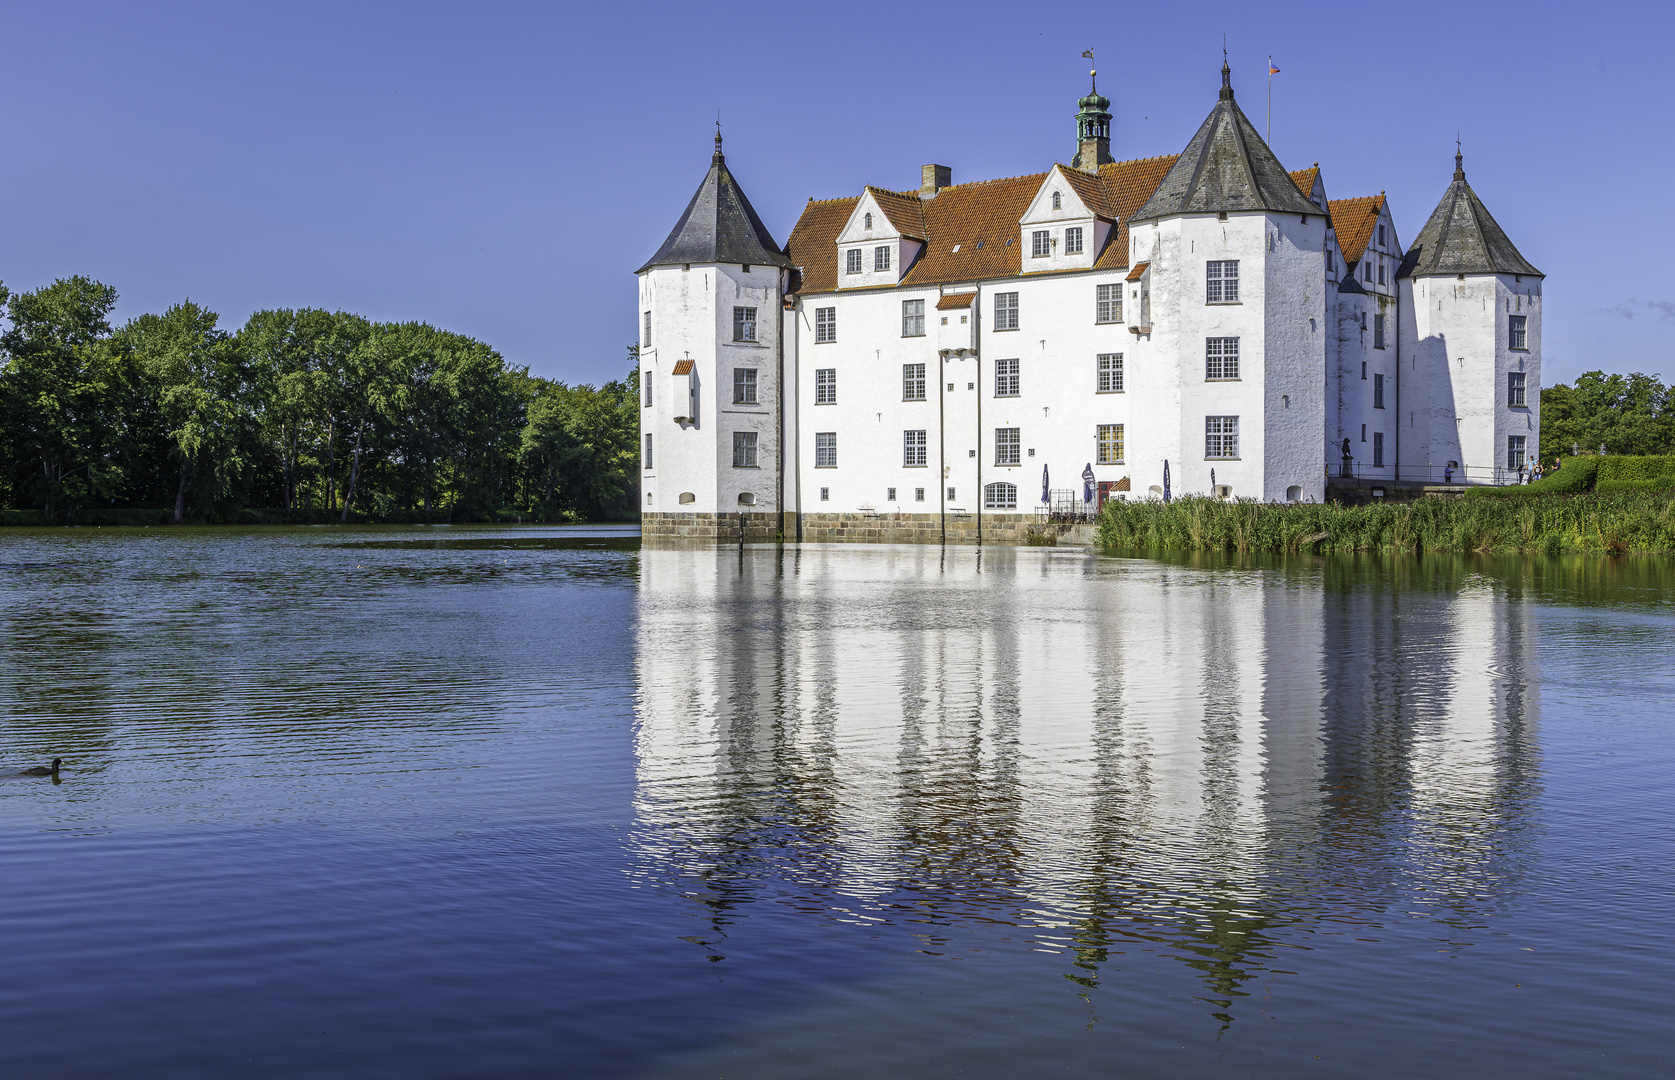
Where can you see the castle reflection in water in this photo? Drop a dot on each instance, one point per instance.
(1110, 755)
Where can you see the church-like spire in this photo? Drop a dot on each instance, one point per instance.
(1226, 78)
(1462, 237)
(716, 158)
(719, 226)
(1459, 163)
(1093, 126)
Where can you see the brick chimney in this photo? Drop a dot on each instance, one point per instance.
(932, 178)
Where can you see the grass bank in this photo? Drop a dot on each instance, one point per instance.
(1609, 522)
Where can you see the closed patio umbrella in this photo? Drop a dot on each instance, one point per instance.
(1165, 479)
(1044, 495)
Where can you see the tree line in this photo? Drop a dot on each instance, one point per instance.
(305, 415)
(1626, 414)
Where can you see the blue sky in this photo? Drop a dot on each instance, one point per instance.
(501, 169)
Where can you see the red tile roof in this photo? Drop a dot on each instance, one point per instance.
(683, 367)
(904, 210)
(955, 300)
(1306, 179)
(1139, 269)
(1353, 220)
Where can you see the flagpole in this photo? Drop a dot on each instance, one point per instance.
(1270, 136)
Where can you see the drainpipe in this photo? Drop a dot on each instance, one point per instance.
(1396, 291)
(779, 388)
(942, 442)
(977, 381)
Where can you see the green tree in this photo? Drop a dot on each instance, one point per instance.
(580, 446)
(1627, 414)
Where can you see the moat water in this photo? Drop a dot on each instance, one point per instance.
(540, 802)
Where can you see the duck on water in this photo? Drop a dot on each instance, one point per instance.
(43, 770)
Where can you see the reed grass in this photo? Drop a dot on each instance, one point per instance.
(1615, 522)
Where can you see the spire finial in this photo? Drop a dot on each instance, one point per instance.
(1093, 73)
(716, 158)
(1226, 75)
(1459, 162)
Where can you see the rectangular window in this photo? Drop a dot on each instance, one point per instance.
(1109, 307)
(825, 450)
(913, 448)
(918, 494)
(1221, 282)
(1517, 332)
(1378, 331)
(1515, 390)
(912, 318)
(1006, 378)
(1381, 236)
(1110, 373)
(646, 462)
(1006, 311)
(645, 384)
(1381, 271)
(1221, 358)
(913, 382)
(1515, 451)
(744, 324)
(744, 386)
(645, 333)
(950, 494)
(825, 494)
(825, 324)
(889, 494)
(881, 258)
(744, 449)
(1073, 241)
(852, 261)
(1221, 436)
(1007, 445)
(1000, 496)
(1366, 271)
(1363, 370)
(1331, 263)
(825, 386)
(1040, 244)
(1378, 391)
(1378, 449)
(1110, 444)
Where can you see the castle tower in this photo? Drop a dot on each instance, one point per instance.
(711, 369)
(1227, 268)
(1471, 345)
(1093, 129)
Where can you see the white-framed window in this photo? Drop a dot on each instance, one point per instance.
(1378, 331)
(645, 384)
(1221, 358)
(1109, 306)
(1381, 236)
(913, 448)
(1367, 271)
(1221, 436)
(852, 261)
(918, 494)
(1073, 240)
(866, 220)
(1221, 281)
(825, 324)
(889, 494)
(1040, 244)
(1515, 390)
(1381, 271)
(1515, 450)
(912, 318)
(881, 257)
(744, 386)
(825, 450)
(744, 324)
(1007, 446)
(1517, 331)
(1057, 204)
(1110, 444)
(645, 459)
(1378, 391)
(645, 331)
(998, 496)
(1006, 378)
(1006, 311)
(825, 386)
(1378, 449)
(744, 449)
(1110, 373)
(913, 382)
(826, 494)
(950, 494)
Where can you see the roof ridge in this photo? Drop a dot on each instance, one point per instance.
(833, 199)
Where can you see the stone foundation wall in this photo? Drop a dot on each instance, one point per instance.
(758, 528)
(864, 529)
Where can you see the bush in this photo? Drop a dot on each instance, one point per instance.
(1661, 483)
(1625, 467)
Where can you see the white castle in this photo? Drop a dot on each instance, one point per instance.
(958, 361)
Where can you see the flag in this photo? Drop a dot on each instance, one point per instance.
(1272, 70)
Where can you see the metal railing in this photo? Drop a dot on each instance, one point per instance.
(1438, 475)
(1066, 504)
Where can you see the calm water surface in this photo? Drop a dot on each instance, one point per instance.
(540, 802)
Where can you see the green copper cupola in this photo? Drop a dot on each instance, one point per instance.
(1093, 129)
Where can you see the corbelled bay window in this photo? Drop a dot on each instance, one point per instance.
(1006, 378)
(825, 324)
(744, 449)
(1221, 281)
(1109, 307)
(825, 450)
(1007, 446)
(1221, 358)
(744, 324)
(744, 386)
(825, 386)
(913, 448)
(1006, 311)
(912, 318)
(1110, 373)
(1221, 436)
(913, 382)
(1110, 444)
(1073, 241)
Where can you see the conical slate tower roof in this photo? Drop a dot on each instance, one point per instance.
(1462, 238)
(719, 226)
(1226, 166)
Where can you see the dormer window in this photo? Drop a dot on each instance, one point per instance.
(867, 222)
(852, 261)
(1056, 203)
(1040, 245)
(881, 258)
(1073, 241)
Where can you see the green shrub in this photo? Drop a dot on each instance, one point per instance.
(1626, 467)
(1660, 483)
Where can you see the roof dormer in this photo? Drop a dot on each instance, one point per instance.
(1067, 224)
(883, 236)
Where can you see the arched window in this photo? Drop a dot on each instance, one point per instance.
(868, 221)
(1055, 200)
(1001, 496)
